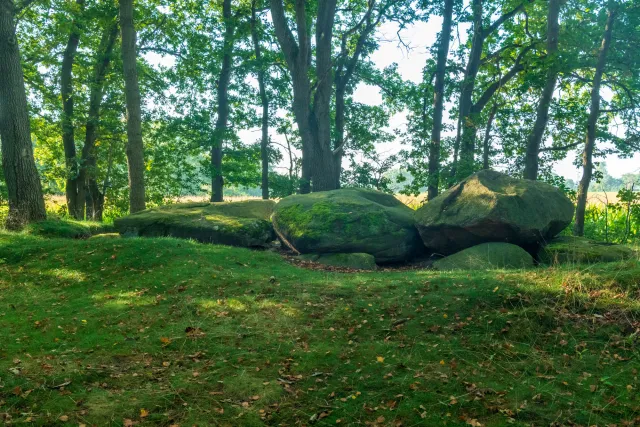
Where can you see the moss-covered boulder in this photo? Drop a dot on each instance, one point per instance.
(579, 250)
(486, 256)
(357, 261)
(243, 223)
(67, 228)
(349, 220)
(493, 207)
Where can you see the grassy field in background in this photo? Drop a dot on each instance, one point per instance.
(110, 331)
(56, 203)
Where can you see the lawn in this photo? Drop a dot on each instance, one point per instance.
(110, 331)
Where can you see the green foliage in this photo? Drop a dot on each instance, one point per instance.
(617, 222)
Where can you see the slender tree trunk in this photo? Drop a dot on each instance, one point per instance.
(339, 130)
(75, 209)
(26, 203)
(220, 131)
(594, 112)
(89, 156)
(264, 141)
(438, 101)
(486, 146)
(135, 148)
(542, 113)
(466, 141)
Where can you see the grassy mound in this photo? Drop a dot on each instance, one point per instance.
(161, 331)
(487, 256)
(243, 223)
(579, 250)
(67, 228)
(349, 220)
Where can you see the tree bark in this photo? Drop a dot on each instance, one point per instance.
(594, 112)
(135, 148)
(264, 101)
(94, 197)
(313, 122)
(323, 172)
(466, 141)
(75, 209)
(220, 131)
(26, 203)
(542, 114)
(438, 101)
(486, 146)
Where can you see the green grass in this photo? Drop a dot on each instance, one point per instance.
(163, 331)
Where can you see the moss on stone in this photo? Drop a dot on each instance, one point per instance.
(580, 250)
(67, 228)
(243, 223)
(349, 220)
(358, 261)
(486, 256)
(491, 206)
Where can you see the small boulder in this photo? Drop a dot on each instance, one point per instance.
(349, 220)
(356, 261)
(579, 250)
(490, 206)
(486, 256)
(243, 223)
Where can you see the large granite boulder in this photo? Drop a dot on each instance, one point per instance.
(493, 207)
(486, 256)
(580, 250)
(350, 220)
(243, 223)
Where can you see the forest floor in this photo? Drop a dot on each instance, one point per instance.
(110, 331)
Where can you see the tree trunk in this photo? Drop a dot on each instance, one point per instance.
(75, 209)
(135, 148)
(594, 112)
(468, 115)
(438, 101)
(264, 142)
(314, 123)
(542, 114)
(467, 139)
(220, 131)
(487, 137)
(323, 159)
(26, 202)
(339, 130)
(89, 155)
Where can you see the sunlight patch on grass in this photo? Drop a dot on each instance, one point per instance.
(68, 274)
(132, 298)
